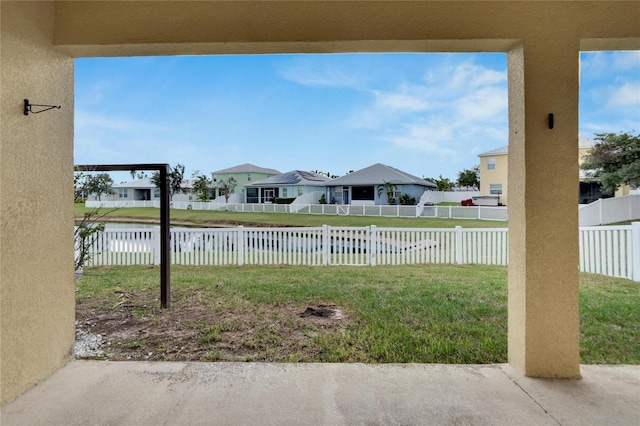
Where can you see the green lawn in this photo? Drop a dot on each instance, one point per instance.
(404, 314)
(283, 219)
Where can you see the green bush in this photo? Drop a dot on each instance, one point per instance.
(283, 200)
(407, 200)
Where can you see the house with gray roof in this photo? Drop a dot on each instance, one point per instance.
(145, 190)
(362, 187)
(136, 190)
(243, 174)
(292, 184)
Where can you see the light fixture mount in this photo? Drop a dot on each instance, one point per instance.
(28, 107)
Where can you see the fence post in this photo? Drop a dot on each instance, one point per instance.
(240, 242)
(156, 245)
(373, 245)
(600, 211)
(479, 212)
(635, 250)
(325, 245)
(458, 244)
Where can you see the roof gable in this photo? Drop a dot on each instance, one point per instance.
(583, 143)
(503, 150)
(248, 168)
(294, 177)
(145, 183)
(378, 174)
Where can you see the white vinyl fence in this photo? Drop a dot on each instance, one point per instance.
(610, 210)
(613, 251)
(601, 212)
(435, 197)
(448, 212)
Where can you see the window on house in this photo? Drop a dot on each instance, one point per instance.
(249, 177)
(491, 163)
(363, 193)
(123, 193)
(299, 191)
(252, 195)
(284, 192)
(337, 195)
(495, 188)
(156, 193)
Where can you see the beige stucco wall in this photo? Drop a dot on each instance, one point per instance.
(543, 40)
(495, 176)
(36, 215)
(543, 329)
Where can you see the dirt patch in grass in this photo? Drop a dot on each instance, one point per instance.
(197, 328)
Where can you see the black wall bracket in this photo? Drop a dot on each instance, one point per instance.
(28, 109)
(551, 121)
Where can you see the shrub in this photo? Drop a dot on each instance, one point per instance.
(407, 200)
(283, 200)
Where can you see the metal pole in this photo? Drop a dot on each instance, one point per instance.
(165, 236)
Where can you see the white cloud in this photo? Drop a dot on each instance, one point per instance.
(401, 101)
(627, 95)
(468, 76)
(319, 76)
(487, 103)
(595, 65)
(424, 137)
(626, 60)
(459, 111)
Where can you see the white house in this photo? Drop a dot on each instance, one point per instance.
(292, 184)
(363, 187)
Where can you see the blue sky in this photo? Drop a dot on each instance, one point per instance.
(427, 114)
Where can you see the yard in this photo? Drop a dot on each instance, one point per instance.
(223, 218)
(399, 314)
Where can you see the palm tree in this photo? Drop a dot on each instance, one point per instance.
(389, 189)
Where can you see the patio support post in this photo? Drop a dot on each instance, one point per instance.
(543, 330)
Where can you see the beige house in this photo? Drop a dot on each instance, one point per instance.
(542, 40)
(494, 175)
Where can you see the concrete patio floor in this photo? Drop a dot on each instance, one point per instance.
(178, 393)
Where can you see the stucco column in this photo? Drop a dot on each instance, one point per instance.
(543, 208)
(37, 291)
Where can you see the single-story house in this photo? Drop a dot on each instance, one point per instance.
(367, 186)
(146, 190)
(136, 190)
(292, 184)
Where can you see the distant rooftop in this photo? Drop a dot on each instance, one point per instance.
(140, 183)
(247, 168)
(498, 151)
(378, 174)
(582, 144)
(294, 177)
